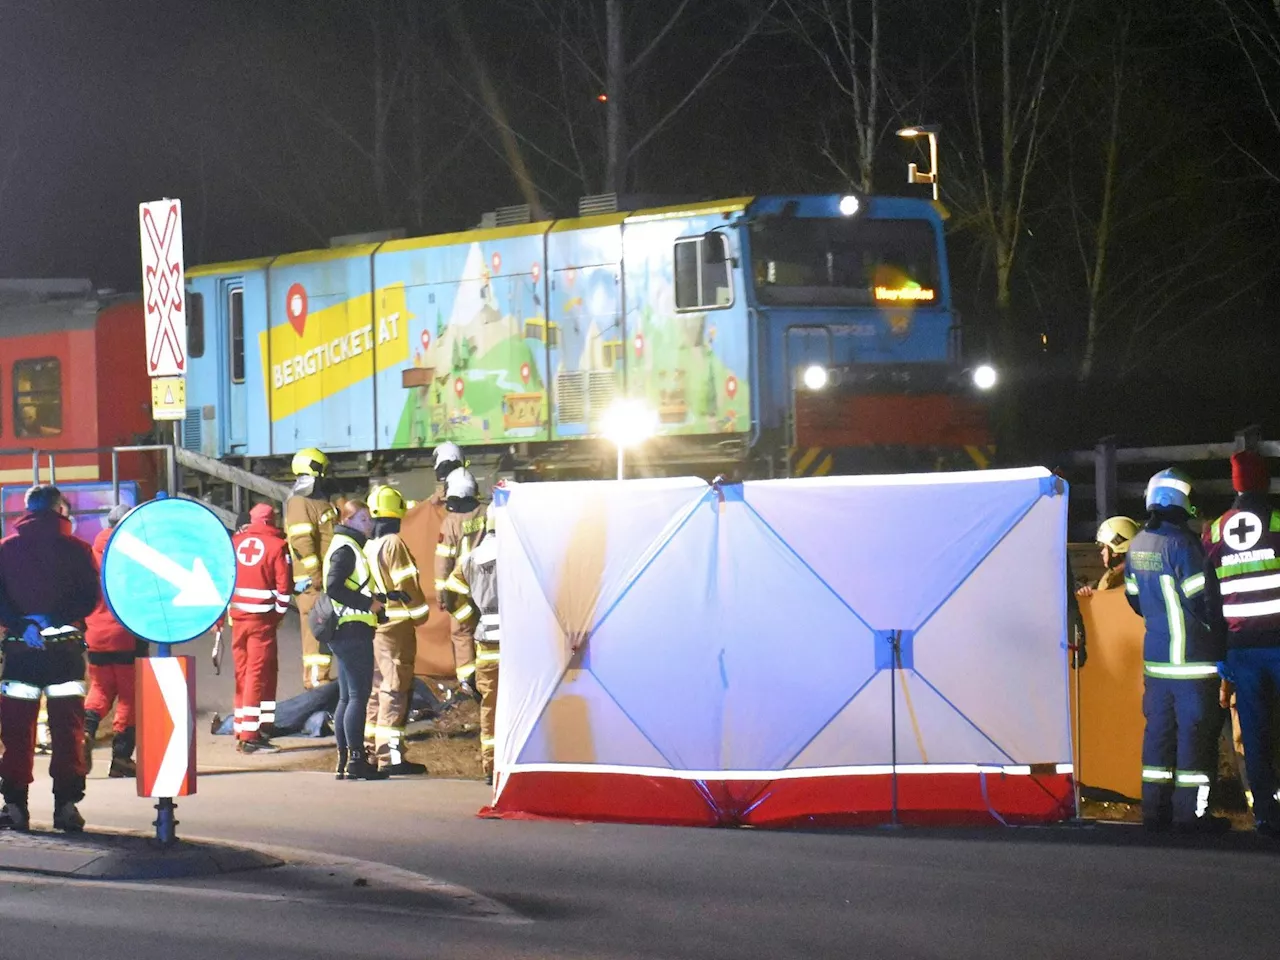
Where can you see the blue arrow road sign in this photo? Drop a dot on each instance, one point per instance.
(168, 570)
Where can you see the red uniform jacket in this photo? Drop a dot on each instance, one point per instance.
(103, 632)
(44, 569)
(264, 575)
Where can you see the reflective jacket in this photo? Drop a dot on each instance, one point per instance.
(308, 523)
(1164, 582)
(264, 576)
(393, 569)
(103, 632)
(478, 573)
(44, 569)
(1242, 574)
(347, 580)
(461, 531)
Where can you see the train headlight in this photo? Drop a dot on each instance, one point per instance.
(815, 377)
(984, 376)
(849, 205)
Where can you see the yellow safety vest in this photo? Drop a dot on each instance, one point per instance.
(358, 581)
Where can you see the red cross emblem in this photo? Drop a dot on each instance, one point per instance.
(250, 551)
(164, 288)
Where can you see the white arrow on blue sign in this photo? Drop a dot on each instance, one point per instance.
(168, 570)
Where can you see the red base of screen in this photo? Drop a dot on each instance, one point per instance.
(923, 799)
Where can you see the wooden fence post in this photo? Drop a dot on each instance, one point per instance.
(1104, 470)
(1248, 438)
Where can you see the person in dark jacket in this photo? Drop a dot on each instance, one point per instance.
(48, 587)
(349, 584)
(1242, 596)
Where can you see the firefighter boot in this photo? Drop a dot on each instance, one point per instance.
(67, 818)
(122, 764)
(91, 721)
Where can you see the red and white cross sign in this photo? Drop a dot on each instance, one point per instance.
(250, 551)
(166, 705)
(163, 287)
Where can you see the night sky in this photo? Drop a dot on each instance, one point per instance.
(261, 118)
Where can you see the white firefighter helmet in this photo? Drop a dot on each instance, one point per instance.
(460, 483)
(448, 452)
(1116, 532)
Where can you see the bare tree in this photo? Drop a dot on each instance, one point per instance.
(1254, 25)
(1094, 239)
(1012, 52)
(845, 37)
(602, 89)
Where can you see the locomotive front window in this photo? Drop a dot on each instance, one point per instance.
(37, 397)
(845, 262)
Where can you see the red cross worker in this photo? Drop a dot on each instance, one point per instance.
(264, 583)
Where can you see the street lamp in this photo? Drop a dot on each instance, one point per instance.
(628, 423)
(913, 174)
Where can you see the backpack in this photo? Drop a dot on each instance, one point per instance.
(323, 619)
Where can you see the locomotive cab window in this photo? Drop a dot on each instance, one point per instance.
(195, 325)
(845, 262)
(37, 397)
(235, 325)
(701, 275)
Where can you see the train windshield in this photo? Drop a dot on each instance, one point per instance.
(844, 262)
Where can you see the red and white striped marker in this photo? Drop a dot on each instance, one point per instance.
(166, 704)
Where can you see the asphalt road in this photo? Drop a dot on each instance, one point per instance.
(592, 890)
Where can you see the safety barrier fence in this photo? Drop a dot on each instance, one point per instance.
(1119, 475)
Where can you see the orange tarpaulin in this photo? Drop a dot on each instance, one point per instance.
(421, 531)
(1109, 756)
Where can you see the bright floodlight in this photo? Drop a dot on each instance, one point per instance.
(815, 377)
(984, 377)
(629, 423)
(849, 205)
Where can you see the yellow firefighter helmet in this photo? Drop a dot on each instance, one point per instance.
(387, 502)
(1116, 532)
(310, 462)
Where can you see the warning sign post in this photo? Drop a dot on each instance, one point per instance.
(167, 574)
(165, 299)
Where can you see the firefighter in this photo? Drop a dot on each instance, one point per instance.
(48, 586)
(395, 644)
(264, 584)
(1114, 536)
(460, 532)
(1164, 582)
(1242, 595)
(476, 575)
(448, 458)
(112, 651)
(309, 518)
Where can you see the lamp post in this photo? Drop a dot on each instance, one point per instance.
(628, 423)
(913, 174)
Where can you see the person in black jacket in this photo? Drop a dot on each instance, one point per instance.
(349, 585)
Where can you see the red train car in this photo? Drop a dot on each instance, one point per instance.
(72, 377)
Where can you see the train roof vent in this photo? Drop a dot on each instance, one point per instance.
(375, 236)
(512, 216)
(600, 203)
(45, 288)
